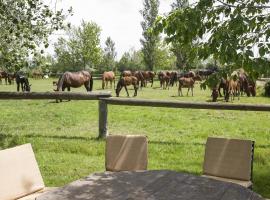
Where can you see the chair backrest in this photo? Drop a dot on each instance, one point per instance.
(126, 153)
(19, 172)
(229, 158)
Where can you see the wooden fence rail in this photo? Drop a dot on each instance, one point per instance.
(105, 98)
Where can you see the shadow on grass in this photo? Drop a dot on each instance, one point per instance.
(175, 143)
(9, 140)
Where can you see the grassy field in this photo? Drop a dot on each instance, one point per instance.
(64, 135)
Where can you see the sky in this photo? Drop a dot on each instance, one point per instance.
(118, 19)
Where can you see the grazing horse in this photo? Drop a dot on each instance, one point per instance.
(164, 79)
(106, 77)
(75, 80)
(140, 77)
(5, 76)
(23, 81)
(187, 83)
(149, 76)
(126, 81)
(232, 89)
(126, 73)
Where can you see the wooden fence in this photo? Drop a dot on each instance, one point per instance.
(105, 99)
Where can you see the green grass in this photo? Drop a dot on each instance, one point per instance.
(64, 135)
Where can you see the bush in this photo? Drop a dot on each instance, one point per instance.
(267, 89)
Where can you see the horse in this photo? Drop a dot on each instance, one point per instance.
(23, 81)
(140, 78)
(223, 85)
(106, 77)
(232, 89)
(126, 81)
(173, 78)
(75, 80)
(126, 73)
(164, 78)
(187, 83)
(149, 76)
(5, 76)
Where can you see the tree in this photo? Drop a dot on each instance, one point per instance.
(229, 30)
(81, 49)
(131, 60)
(24, 26)
(109, 56)
(150, 41)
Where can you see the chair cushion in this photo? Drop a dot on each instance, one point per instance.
(228, 158)
(246, 184)
(126, 153)
(36, 194)
(19, 172)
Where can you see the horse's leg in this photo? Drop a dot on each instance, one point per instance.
(135, 90)
(18, 87)
(192, 90)
(188, 91)
(179, 88)
(152, 80)
(126, 90)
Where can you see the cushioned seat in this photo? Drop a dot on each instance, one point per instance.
(19, 172)
(229, 160)
(126, 153)
(246, 184)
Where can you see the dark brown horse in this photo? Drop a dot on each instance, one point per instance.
(75, 80)
(187, 83)
(140, 78)
(4, 75)
(149, 76)
(126, 81)
(126, 73)
(108, 77)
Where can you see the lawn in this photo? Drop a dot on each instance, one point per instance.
(63, 135)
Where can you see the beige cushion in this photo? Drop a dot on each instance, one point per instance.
(228, 158)
(246, 184)
(126, 153)
(19, 172)
(36, 194)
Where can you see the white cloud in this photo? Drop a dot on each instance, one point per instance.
(119, 19)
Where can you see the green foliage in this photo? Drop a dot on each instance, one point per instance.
(109, 54)
(132, 60)
(267, 89)
(81, 49)
(149, 41)
(228, 30)
(24, 28)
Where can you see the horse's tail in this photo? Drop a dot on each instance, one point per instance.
(91, 82)
(60, 82)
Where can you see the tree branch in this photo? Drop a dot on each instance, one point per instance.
(234, 6)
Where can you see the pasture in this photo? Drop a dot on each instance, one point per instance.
(63, 135)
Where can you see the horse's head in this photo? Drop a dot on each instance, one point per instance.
(27, 87)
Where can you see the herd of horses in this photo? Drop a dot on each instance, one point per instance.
(235, 86)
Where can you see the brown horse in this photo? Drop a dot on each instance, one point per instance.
(75, 80)
(149, 76)
(126, 81)
(126, 73)
(164, 79)
(187, 83)
(106, 77)
(5, 76)
(232, 89)
(140, 78)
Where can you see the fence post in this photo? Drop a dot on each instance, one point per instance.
(103, 112)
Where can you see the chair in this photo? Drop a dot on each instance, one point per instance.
(20, 175)
(126, 153)
(229, 160)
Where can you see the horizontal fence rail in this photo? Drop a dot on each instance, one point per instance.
(54, 95)
(178, 104)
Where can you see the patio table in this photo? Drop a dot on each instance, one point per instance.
(150, 185)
